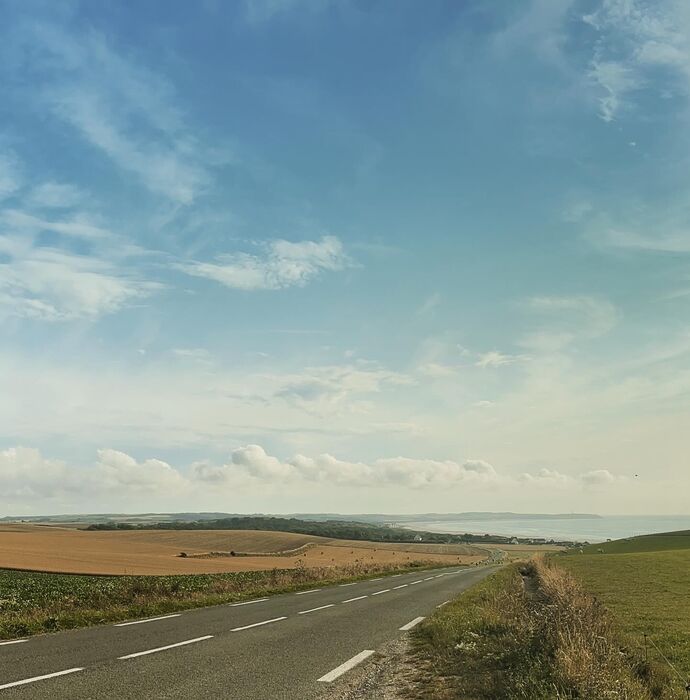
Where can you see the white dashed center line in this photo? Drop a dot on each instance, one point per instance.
(141, 622)
(352, 600)
(402, 585)
(322, 607)
(414, 583)
(411, 624)
(39, 678)
(258, 624)
(385, 590)
(165, 648)
(344, 668)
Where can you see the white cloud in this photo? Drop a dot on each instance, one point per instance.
(637, 40)
(630, 240)
(599, 477)
(55, 195)
(77, 226)
(253, 461)
(568, 319)
(329, 387)
(11, 175)
(117, 470)
(25, 474)
(546, 477)
(494, 358)
(51, 285)
(119, 107)
(283, 264)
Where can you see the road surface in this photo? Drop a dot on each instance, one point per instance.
(286, 647)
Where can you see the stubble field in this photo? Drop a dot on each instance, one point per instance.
(156, 552)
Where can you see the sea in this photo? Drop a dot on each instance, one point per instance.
(597, 529)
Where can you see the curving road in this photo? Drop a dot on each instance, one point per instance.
(286, 647)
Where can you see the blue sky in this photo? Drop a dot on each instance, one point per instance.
(365, 255)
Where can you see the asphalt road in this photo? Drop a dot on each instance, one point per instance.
(285, 647)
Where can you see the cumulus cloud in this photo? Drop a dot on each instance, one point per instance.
(551, 477)
(281, 264)
(118, 470)
(253, 461)
(598, 477)
(26, 474)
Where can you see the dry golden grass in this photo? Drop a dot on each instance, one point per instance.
(541, 639)
(34, 548)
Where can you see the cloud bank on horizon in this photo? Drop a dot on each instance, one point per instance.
(232, 246)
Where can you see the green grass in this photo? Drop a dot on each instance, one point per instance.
(546, 640)
(648, 592)
(645, 543)
(31, 603)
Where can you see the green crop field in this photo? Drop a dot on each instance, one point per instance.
(645, 582)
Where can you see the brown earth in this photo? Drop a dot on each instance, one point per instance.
(37, 548)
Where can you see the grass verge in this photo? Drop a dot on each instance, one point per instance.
(534, 639)
(647, 593)
(32, 603)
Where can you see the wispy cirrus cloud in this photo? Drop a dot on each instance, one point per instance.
(11, 174)
(279, 265)
(640, 45)
(117, 104)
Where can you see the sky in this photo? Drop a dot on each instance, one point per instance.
(344, 256)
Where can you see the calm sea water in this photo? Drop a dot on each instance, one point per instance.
(589, 529)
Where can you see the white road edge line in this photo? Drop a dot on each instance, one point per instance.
(376, 579)
(445, 602)
(342, 585)
(141, 622)
(258, 624)
(344, 668)
(352, 600)
(323, 607)
(411, 624)
(39, 678)
(248, 602)
(402, 585)
(313, 590)
(385, 590)
(13, 641)
(165, 648)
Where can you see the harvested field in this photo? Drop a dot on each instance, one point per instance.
(156, 552)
